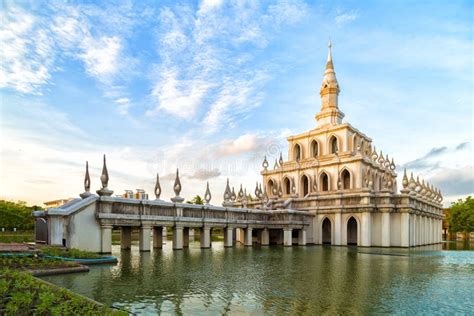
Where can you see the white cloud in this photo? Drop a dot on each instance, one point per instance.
(101, 56)
(345, 18)
(206, 66)
(26, 52)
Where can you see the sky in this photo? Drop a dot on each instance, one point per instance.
(212, 86)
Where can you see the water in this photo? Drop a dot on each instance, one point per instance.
(276, 280)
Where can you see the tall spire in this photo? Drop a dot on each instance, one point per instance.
(329, 92)
(329, 64)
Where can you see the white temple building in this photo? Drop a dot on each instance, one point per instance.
(335, 173)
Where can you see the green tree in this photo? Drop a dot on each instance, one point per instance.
(461, 216)
(17, 215)
(196, 200)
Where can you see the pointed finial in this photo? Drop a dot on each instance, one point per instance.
(281, 159)
(207, 195)
(233, 196)
(104, 178)
(87, 179)
(275, 166)
(177, 184)
(227, 192)
(405, 179)
(157, 187)
(87, 183)
(265, 163)
(177, 189)
(329, 50)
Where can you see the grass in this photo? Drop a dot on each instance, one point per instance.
(69, 253)
(17, 237)
(22, 294)
(33, 263)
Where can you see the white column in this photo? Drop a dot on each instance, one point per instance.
(412, 230)
(385, 229)
(405, 230)
(287, 237)
(337, 229)
(178, 238)
(302, 237)
(106, 239)
(440, 225)
(431, 231)
(206, 237)
(365, 232)
(265, 237)
(228, 236)
(144, 238)
(157, 237)
(125, 237)
(248, 236)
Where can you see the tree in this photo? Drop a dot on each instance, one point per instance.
(196, 200)
(461, 216)
(17, 215)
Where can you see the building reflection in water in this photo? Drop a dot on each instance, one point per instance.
(273, 280)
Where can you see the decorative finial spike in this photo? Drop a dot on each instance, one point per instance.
(177, 189)
(157, 187)
(207, 195)
(87, 183)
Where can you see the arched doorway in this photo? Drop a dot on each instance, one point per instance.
(333, 145)
(314, 149)
(326, 227)
(352, 231)
(287, 186)
(270, 187)
(304, 185)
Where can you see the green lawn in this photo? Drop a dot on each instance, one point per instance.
(23, 236)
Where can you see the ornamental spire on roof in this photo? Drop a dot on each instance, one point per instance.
(329, 92)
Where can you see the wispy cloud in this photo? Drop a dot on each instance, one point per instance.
(342, 18)
(26, 52)
(206, 67)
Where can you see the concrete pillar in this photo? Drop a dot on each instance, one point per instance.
(365, 230)
(412, 230)
(287, 237)
(385, 229)
(206, 237)
(228, 236)
(125, 237)
(265, 237)
(302, 237)
(157, 237)
(417, 230)
(165, 232)
(106, 239)
(337, 229)
(178, 238)
(185, 237)
(405, 230)
(144, 238)
(248, 236)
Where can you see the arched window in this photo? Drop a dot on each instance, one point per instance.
(324, 182)
(346, 180)
(297, 153)
(287, 185)
(304, 186)
(270, 187)
(333, 144)
(314, 149)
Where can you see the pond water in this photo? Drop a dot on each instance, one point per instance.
(276, 280)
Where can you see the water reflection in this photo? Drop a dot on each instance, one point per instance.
(277, 280)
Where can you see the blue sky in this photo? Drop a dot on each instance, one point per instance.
(212, 86)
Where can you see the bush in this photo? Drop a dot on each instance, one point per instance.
(22, 294)
(17, 215)
(69, 253)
